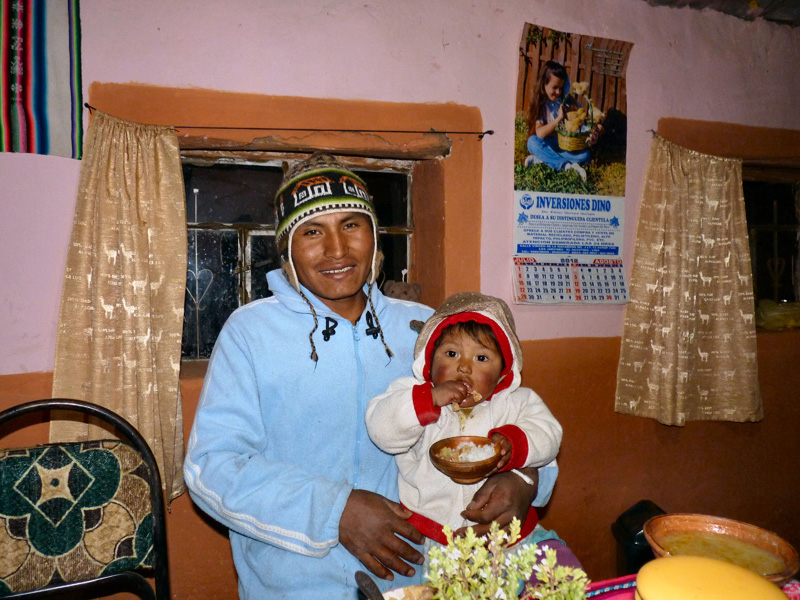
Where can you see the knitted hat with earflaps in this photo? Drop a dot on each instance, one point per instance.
(316, 186)
(312, 187)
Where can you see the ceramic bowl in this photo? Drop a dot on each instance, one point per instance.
(464, 472)
(660, 527)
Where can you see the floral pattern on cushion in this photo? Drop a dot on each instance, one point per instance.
(71, 512)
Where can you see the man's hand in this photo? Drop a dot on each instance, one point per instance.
(503, 497)
(371, 528)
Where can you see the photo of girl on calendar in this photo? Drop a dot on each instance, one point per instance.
(571, 121)
(569, 168)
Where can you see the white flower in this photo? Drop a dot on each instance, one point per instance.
(501, 594)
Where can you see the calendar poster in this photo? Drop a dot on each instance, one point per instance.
(568, 249)
(569, 168)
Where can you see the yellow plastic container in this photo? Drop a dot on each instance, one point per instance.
(700, 578)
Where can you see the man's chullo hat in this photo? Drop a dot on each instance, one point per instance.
(315, 186)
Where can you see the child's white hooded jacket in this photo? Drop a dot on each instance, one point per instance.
(403, 421)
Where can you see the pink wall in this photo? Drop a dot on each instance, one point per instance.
(685, 63)
(37, 202)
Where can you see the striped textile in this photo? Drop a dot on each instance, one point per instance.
(41, 104)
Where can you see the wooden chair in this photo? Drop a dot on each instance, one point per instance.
(81, 519)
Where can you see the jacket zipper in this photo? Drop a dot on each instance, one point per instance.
(360, 410)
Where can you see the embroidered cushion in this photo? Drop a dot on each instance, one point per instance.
(71, 512)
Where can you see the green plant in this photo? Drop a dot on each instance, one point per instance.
(472, 567)
(520, 137)
(541, 178)
(608, 178)
(556, 582)
(484, 568)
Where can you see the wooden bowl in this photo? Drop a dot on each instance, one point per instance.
(464, 472)
(422, 592)
(658, 531)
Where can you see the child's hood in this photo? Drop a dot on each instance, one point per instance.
(467, 306)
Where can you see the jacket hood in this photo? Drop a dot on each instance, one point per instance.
(472, 306)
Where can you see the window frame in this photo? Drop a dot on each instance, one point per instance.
(247, 230)
(757, 173)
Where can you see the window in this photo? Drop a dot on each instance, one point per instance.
(231, 237)
(774, 231)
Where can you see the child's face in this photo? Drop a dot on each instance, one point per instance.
(461, 358)
(554, 87)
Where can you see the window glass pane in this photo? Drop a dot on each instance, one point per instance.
(389, 193)
(231, 193)
(775, 253)
(263, 258)
(769, 203)
(395, 252)
(773, 228)
(211, 288)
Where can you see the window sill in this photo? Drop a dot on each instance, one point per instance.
(775, 317)
(193, 369)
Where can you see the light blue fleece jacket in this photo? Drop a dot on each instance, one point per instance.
(279, 442)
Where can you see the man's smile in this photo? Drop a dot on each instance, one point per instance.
(337, 271)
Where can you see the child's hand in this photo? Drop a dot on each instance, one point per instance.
(560, 116)
(498, 439)
(450, 392)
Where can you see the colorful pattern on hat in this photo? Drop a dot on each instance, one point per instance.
(325, 187)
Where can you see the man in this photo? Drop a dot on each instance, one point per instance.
(279, 451)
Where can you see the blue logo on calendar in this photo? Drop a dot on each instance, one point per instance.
(526, 201)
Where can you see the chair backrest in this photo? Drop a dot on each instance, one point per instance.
(81, 518)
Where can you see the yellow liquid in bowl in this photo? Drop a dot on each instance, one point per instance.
(722, 547)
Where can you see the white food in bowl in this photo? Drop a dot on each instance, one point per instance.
(467, 452)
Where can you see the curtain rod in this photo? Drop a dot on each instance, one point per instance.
(480, 134)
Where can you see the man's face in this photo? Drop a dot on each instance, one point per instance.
(332, 256)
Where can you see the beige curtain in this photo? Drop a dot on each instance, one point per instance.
(121, 319)
(689, 345)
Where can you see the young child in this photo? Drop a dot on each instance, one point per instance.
(467, 363)
(546, 112)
